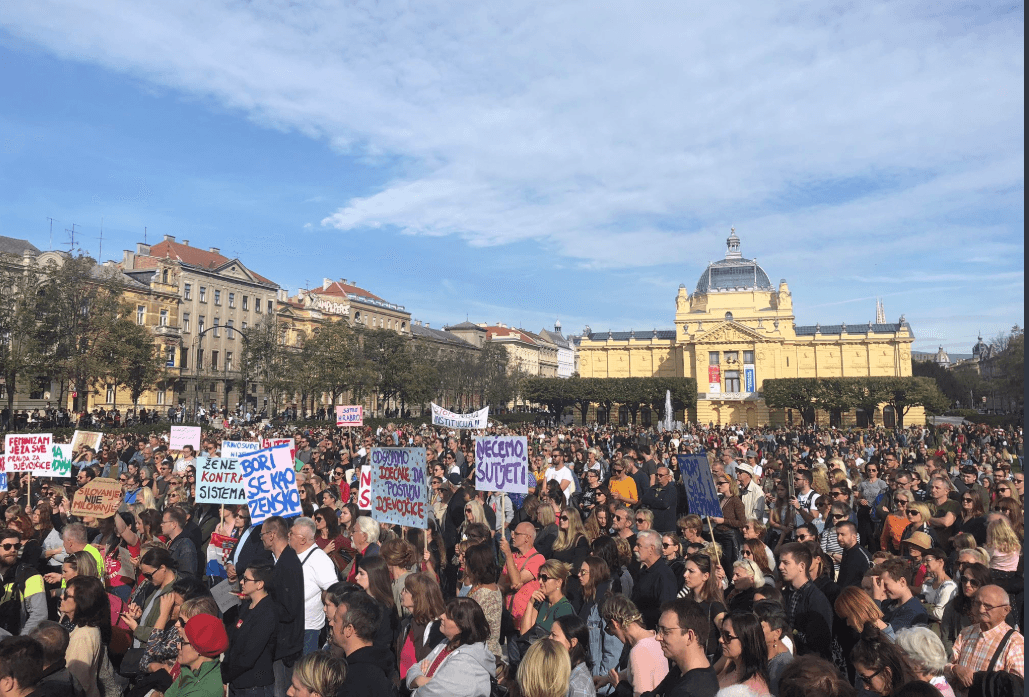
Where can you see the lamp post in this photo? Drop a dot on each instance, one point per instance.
(198, 343)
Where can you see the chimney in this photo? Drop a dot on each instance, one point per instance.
(169, 238)
(326, 282)
(128, 259)
(283, 295)
(427, 325)
(343, 281)
(142, 249)
(215, 250)
(185, 242)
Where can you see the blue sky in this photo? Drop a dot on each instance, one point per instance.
(529, 162)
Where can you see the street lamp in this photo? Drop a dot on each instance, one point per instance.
(198, 342)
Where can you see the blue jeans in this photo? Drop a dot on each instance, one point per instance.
(311, 640)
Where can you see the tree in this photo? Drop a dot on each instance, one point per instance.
(136, 362)
(792, 393)
(907, 392)
(495, 383)
(386, 354)
(267, 359)
(332, 353)
(23, 353)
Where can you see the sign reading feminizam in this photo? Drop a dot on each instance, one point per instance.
(501, 464)
(182, 436)
(475, 420)
(352, 415)
(398, 490)
(270, 484)
(219, 480)
(364, 489)
(700, 486)
(239, 448)
(98, 499)
(29, 452)
(90, 438)
(61, 466)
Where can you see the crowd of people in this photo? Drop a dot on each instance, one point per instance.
(844, 562)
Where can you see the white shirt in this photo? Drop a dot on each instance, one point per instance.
(562, 475)
(319, 574)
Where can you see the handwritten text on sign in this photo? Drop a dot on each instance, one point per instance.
(98, 499)
(350, 415)
(220, 480)
(181, 436)
(364, 489)
(275, 442)
(61, 466)
(399, 493)
(501, 463)
(700, 486)
(239, 448)
(271, 484)
(29, 452)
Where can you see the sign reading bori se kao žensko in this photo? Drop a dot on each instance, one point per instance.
(502, 464)
(270, 484)
(399, 492)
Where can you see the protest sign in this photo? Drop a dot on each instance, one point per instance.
(239, 448)
(270, 484)
(475, 420)
(501, 464)
(276, 442)
(90, 438)
(3, 481)
(29, 452)
(700, 485)
(364, 489)
(181, 436)
(349, 415)
(398, 489)
(61, 465)
(100, 498)
(219, 480)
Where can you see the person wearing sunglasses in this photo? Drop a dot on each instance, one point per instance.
(247, 665)
(548, 602)
(22, 584)
(745, 653)
(882, 666)
(152, 606)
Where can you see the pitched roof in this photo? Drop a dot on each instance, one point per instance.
(508, 333)
(466, 325)
(555, 338)
(423, 332)
(194, 256)
(12, 245)
(633, 334)
(856, 328)
(346, 290)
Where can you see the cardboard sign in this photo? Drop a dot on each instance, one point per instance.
(364, 489)
(239, 448)
(700, 485)
(220, 480)
(98, 499)
(29, 452)
(90, 438)
(61, 464)
(399, 491)
(502, 464)
(181, 436)
(350, 415)
(276, 442)
(475, 420)
(270, 484)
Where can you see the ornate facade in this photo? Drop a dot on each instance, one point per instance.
(735, 331)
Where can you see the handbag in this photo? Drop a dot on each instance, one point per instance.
(1000, 683)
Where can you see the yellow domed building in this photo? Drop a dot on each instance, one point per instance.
(737, 330)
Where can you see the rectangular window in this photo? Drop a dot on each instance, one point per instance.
(183, 358)
(257, 304)
(271, 307)
(203, 294)
(732, 381)
(141, 314)
(200, 324)
(217, 297)
(228, 360)
(185, 321)
(160, 398)
(187, 290)
(169, 357)
(232, 300)
(214, 360)
(246, 303)
(110, 394)
(748, 357)
(244, 326)
(712, 358)
(217, 332)
(163, 321)
(200, 359)
(228, 327)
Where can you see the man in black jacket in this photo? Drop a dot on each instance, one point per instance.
(663, 500)
(288, 593)
(855, 560)
(656, 583)
(807, 608)
(354, 626)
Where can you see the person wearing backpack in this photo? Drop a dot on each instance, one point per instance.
(989, 645)
(23, 603)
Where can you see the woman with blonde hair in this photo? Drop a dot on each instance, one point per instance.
(1003, 546)
(896, 521)
(548, 529)
(729, 526)
(918, 515)
(546, 670)
(319, 674)
(747, 577)
(571, 545)
(548, 602)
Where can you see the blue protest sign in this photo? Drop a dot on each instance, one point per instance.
(399, 492)
(501, 464)
(700, 485)
(271, 484)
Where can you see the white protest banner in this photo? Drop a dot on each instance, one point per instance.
(398, 490)
(270, 484)
(239, 448)
(90, 438)
(29, 452)
(61, 464)
(352, 415)
(181, 436)
(276, 442)
(364, 489)
(700, 485)
(502, 464)
(475, 420)
(3, 481)
(220, 480)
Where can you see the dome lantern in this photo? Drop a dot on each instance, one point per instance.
(734, 273)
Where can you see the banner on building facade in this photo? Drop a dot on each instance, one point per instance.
(700, 485)
(239, 448)
(448, 419)
(349, 415)
(270, 484)
(29, 452)
(399, 492)
(181, 436)
(220, 480)
(714, 379)
(90, 438)
(502, 464)
(749, 381)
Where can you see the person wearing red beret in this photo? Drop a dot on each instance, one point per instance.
(203, 641)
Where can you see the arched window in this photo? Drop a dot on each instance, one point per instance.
(889, 417)
(728, 317)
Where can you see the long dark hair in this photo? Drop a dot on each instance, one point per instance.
(331, 521)
(470, 619)
(574, 628)
(712, 588)
(877, 654)
(753, 658)
(92, 606)
(980, 573)
(379, 585)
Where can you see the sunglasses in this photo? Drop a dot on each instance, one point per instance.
(971, 582)
(8, 546)
(544, 578)
(912, 514)
(641, 520)
(666, 545)
(728, 638)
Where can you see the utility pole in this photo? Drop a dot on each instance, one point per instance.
(52, 221)
(100, 254)
(72, 233)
